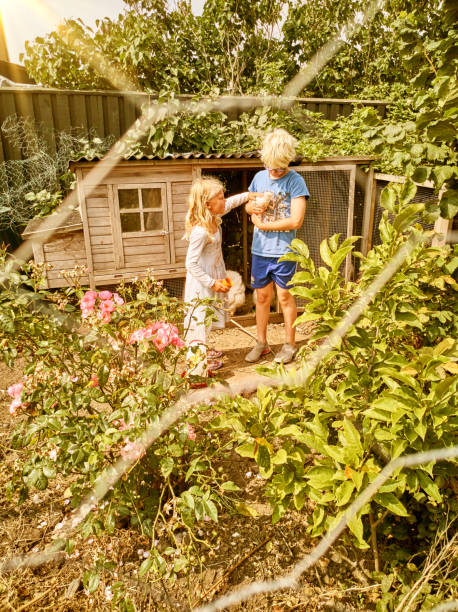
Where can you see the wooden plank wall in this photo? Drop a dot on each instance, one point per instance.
(110, 113)
(139, 252)
(64, 252)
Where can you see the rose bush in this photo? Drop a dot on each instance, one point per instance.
(100, 367)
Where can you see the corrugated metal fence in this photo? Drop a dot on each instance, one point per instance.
(110, 113)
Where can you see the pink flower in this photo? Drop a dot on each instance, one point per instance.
(132, 450)
(90, 294)
(107, 306)
(118, 299)
(105, 295)
(123, 426)
(15, 404)
(15, 390)
(104, 316)
(74, 379)
(191, 432)
(94, 382)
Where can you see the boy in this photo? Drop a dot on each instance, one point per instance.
(275, 228)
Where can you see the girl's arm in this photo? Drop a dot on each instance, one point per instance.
(197, 241)
(238, 200)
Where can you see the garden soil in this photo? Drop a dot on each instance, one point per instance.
(242, 549)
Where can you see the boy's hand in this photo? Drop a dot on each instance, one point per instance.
(220, 286)
(257, 221)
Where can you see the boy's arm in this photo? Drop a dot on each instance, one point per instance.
(293, 222)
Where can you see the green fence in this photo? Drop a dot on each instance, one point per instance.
(110, 113)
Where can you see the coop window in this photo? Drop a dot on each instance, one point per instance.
(141, 209)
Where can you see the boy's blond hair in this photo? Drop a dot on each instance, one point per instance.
(203, 189)
(278, 149)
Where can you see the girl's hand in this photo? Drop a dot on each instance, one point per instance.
(220, 286)
(252, 195)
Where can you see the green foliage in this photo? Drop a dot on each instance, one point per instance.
(43, 202)
(388, 389)
(424, 146)
(243, 46)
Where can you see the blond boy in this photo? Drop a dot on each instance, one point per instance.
(274, 230)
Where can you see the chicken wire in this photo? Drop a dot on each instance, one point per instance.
(327, 209)
(36, 169)
(424, 194)
(175, 287)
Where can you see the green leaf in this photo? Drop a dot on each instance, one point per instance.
(325, 252)
(145, 566)
(429, 486)
(406, 217)
(388, 198)
(211, 510)
(167, 465)
(392, 503)
(343, 492)
(246, 449)
(449, 204)
(230, 486)
(442, 174)
(355, 525)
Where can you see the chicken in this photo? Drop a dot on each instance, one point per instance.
(235, 297)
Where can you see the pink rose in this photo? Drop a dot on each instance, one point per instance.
(105, 295)
(132, 449)
(118, 299)
(94, 382)
(15, 390)
(107, 306)
(191, 433)
(15, 404)
(90, 295)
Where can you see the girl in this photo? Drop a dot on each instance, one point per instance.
(205, 270)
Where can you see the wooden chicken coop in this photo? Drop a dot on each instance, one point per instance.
(133, 221)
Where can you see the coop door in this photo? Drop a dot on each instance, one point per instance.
(141, 229)
(330, 207)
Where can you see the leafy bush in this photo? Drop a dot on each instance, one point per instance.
(95, 377)
(389, 389)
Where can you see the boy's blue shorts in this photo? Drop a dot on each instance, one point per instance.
(267, 269)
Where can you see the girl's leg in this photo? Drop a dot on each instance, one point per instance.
(195, 338)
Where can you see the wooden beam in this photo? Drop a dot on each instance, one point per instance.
(368, 213)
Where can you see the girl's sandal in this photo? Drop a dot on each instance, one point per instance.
(214, 354)
(213, 365)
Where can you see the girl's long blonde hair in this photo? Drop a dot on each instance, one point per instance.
(202, 190)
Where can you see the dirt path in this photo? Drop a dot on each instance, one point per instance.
(236, 344)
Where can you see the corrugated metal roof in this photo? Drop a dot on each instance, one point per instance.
(190, 155)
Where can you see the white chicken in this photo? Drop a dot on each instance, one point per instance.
(235, 297)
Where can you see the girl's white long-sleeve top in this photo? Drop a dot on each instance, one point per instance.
(205, 264)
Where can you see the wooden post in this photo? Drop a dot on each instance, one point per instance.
(244, 231)
(368, 213)
(351, 210)
(441, 227)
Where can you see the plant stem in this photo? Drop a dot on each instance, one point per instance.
(374, 542)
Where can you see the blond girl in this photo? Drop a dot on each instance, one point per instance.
(205, 269)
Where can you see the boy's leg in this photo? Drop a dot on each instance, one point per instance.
(289, 309)
(263, 301)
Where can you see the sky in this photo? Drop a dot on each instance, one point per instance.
(26, 19)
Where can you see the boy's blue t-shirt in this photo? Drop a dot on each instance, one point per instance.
(292, 185)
